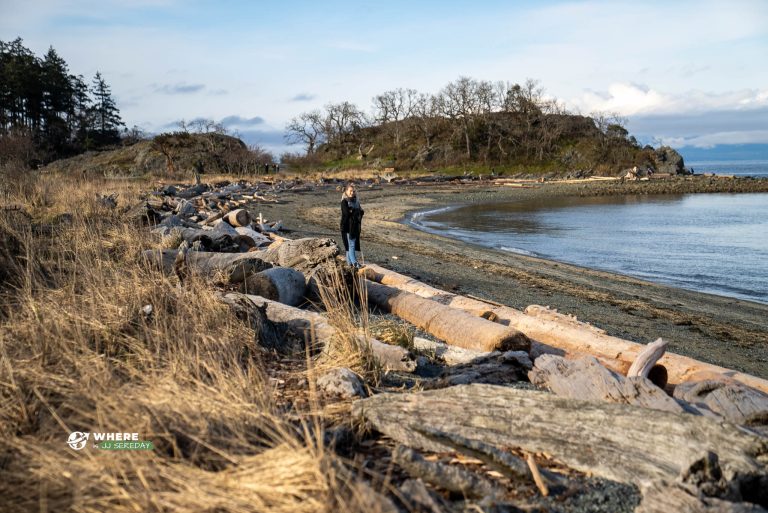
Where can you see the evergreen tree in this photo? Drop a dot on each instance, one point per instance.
(107, 121)
(40, 101)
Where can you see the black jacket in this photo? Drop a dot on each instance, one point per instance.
(351, 223)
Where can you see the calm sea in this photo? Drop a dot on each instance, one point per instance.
(715, 243)
(734, 167)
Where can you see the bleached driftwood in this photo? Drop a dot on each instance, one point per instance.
(281, 284)
(647, 358)
(614, 441)
(451, 355)
(736, 402)
(233, 267)
(453, 326)
(308, 324)
(549, 336)
(586, 379)
(239, 217)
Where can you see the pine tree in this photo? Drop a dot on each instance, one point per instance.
(107, 120)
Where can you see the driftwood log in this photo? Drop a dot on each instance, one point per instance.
(734, 401)
(239, 217)
(451, 355)
(449, 324)
(282, 284)
(311, 324)
(301, 254)
(565, 338)
(586, 379)
(614, 441)
(232, 267)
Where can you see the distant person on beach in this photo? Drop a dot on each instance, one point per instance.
(351, 223)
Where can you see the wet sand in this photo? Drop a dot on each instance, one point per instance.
(720, 330)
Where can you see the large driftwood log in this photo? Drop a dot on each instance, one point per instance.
(282, 284)
(301, 254)
(615, 441)
(239, 217)
(453, 326)
(311, 324)
(586, 379)
(233, 267)
(734, 401)
(549, 336)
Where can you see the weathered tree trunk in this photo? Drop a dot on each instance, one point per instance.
(233, 267)
(311, 324)
(736, 402)
(281, 284)
(614, 441)
(586, 379)
(449, 324)
(239, 217)
(302, 254)
(563, 338)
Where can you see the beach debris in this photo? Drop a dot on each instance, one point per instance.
(281, 284)
(736, 402)
(619, 442)
(314, 327)
(550, 336)
(230, 268)
(586, 379)
(448, 324)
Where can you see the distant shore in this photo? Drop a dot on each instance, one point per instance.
(716, 329)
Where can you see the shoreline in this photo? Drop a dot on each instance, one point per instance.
(411, 219)
(717, 329)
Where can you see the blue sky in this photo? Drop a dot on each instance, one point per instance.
(688, 73)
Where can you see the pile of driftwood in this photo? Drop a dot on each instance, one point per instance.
(690, 435)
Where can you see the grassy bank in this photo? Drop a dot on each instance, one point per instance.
(80, 350)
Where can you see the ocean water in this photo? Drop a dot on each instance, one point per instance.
(716, 243)
(757, 168)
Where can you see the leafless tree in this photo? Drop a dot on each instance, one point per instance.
(308, 128)
(392, 107)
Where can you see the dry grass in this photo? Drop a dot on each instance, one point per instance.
(78, 353)
(394, 332)
(345, 300)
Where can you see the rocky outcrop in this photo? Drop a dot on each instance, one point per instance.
(668, 160)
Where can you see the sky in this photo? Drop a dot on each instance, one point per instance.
(684, 73)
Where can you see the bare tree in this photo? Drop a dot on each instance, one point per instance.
(425, 113)
(309, 128)
(392, 107)
(459, 102)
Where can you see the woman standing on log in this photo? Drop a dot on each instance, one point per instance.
(351, 222)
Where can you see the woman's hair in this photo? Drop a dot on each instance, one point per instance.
(346, 188)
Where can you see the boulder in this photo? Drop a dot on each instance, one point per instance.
(341, 382)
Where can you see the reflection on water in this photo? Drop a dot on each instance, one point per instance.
(710, 242)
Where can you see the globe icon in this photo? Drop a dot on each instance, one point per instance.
(77, 440)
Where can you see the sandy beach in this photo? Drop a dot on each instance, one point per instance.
(716, 329)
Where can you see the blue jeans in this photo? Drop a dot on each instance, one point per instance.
(351, 259)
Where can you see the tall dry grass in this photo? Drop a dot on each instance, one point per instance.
(79, 352)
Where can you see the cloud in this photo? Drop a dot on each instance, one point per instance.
(179, 88)
(630, 99)
(235, 121)
(303, 97)
(718, 138)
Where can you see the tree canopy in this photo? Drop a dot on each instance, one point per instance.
(43, 104)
